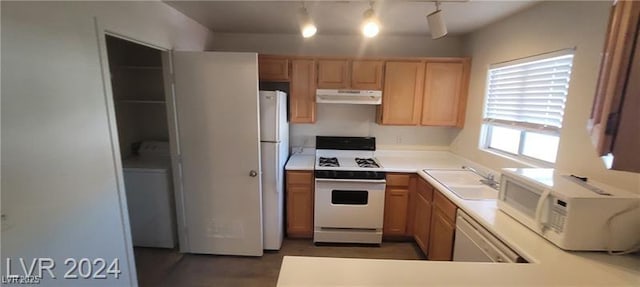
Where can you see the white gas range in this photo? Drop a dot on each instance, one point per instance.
(349, 191)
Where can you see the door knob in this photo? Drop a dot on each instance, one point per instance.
(253, 173)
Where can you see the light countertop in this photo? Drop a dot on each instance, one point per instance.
(550, 266)
(301, 162)
(391, 161)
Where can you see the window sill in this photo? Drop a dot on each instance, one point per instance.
(524, 162)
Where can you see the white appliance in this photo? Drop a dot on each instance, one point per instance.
(474, 243)
(349, 191)
(569, 212)
(363, 97)
(149, 189)
(274, 148)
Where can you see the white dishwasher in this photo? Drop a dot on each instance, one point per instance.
(474, 243)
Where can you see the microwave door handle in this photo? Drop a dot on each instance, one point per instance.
(538, 216)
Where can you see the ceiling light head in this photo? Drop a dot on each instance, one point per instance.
(307, 27)
(437, 27)
(370, 24)
(308, 30)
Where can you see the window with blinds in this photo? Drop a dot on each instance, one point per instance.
(525, 105)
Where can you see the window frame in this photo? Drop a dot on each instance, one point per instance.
(523, 127)
(486, 139)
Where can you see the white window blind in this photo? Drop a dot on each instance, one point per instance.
(529, 93)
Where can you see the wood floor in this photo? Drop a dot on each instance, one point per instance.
(162, 267)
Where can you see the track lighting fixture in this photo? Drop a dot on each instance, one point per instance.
(437, 27)
(370, 24)
(307, 27)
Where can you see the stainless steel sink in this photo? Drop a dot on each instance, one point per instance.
(463, 183)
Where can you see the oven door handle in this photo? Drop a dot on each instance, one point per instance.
(351, 180)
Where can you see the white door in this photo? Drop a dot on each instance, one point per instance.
(216, 104)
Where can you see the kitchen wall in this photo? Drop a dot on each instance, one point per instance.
(60, 191)
(359, 120)
(546, 27)
(356, 120)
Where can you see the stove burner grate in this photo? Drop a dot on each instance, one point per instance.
(329, 162)
(367, 162)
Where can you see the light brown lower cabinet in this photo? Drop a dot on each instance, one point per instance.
(299, 201)
(443, 228)
(397, 205)
(442, 236)
(422, 215)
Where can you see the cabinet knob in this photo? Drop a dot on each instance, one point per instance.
(253, 173)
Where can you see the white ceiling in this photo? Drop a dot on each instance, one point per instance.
(343, 17)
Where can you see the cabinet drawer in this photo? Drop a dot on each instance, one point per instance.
(398, 179)
(425, 189)
(299, 177)
(447, 207)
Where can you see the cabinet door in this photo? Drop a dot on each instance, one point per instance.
(302, 101)
(411, 209)
(402, 95)
(442, 236)
(422, 222)
(273, 68)
(300, 211)
(366, 75)
(299, 204)
(614, 118)
(627, 140)
(395, 212)
(448, 208)
(444, 100)
(333, 74)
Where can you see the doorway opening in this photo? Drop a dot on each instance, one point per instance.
(143, 133)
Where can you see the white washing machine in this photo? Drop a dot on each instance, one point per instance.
(150, 201)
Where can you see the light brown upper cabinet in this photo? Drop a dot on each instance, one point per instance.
(432, 92)
(273, 68)
(416, 91)
(366, 74)
(445, 93)
(402, 95)
(615, 120)
(302, 98)
(350, 74)
(333, 74)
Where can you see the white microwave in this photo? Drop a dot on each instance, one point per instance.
(571, 213)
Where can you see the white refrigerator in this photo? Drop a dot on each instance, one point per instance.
(274, 149)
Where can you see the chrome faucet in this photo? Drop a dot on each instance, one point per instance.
(488, 179)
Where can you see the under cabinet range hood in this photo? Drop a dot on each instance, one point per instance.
(362, 97)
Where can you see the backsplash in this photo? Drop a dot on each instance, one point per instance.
(359, 120)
